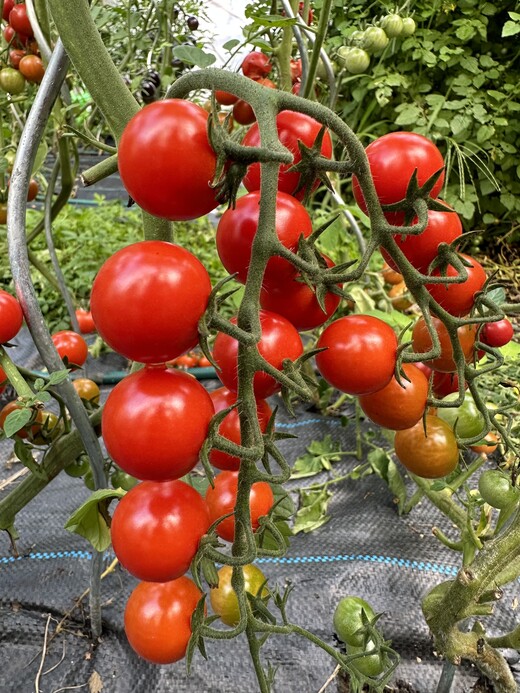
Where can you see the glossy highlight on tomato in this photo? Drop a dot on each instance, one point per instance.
(71, 346)
(458, 299)
(497, 333)
(428, 449)
(11, 317)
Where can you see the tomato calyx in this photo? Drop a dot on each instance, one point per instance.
(311, 167)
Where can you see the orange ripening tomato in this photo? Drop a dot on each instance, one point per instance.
(422, 343)
(428, 449)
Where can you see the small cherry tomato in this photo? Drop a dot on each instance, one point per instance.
(466, 420)
(71, 346)
(243, 113)
(428, 449)
(223, 598)
(497, 333)
(32, 68)
(11, 81)
(422, 343)
(19, 20)
(32, 190)
(87, 389)
(256, 65)
(487, 445)
(11, 317)
(496, 489)
(85, 321)
(458, 299)
(349, 621)
(225, 98)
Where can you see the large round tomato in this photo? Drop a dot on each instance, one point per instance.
(458, 299)
(393, 158)
(166, 161)
(422, 343)
(433, 454)
(349, 620)
(398, 406)
(223, 598)
(156, 529)
(158, 619)
(230, 427)
(360, 354)
(11, 317)
(222, 498)
(292, 128)
(295, 300)
(498, 333)
(466, 419)
(280, 340)
(71, 346)
(155, 422)
(147, 300)
(237, 229)
(19, 19)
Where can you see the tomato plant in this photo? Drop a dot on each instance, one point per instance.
(279, 341)
(360, 354)
(422, 343)
(155, 421)
(221, 500)
(11, 317)
(71, 347)
(428, 449)
(350, 617)
(458, 299)
(256, 65)
(354, 60)
(158, 619)
(156, 529)
(497, 333)
(85, 321)
(174, 187)
(223, 598)
(124, 287)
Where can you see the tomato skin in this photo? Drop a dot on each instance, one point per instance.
(430, 456)
(85, 321)
(348, 619)
(496, 489)
(398, 406)
(445, 383)
(155, 421)
(458, 299)
(11, 81)
(15, 55)
(243, 113)
(222, 498)
(466, 419)
(156, 529)
(11, 317)
(32, 190)
(487, 445)
(280, 340)
(256, 65)
(223, 598)
(392, 159)
(291, 127)
(223, 398)
(32, 68)
(173, 278)
(87, 389)
(6, 9)
(360, 356)
(237, 229)
(173, 187)
(225, 98)
(422, 343)
(72, 346)
(158, 619)
(19, 20)
(370, 664)
(498, 333)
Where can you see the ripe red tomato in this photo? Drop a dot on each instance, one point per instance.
(32, 68)
(223, 598)
(498, 333)
(6, 9)
(225, 98)
(11, 317)
(32, 190)
(296, 70)
(458, 299)
(243, 113)
(19, 20)
(445, 383)
(15, 55)
(85, 321)
(296, 301)
(230, 427)
(292, 127)
(398, 406)
(393, 158)
(158, 619)
(360, 355)
(256, 65)
(71, 346)
(147, 300)
(156, 529)
(237, 229)
(431, 455)
(155, 422)
(422, 343)
(174, 186)
(222, 499)
(13, 38)
(280, 340)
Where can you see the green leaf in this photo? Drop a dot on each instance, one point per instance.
(465, 32)
(229, 45)
(384, 466)
(511, 351)
(459, 123)
(90, 520)
(16, 420)
(361, 298)
(58, 377)
(313, 510)
(484, 133)
(191, 55)
(409, 115)
(41, 155)
(319, 456)
(510, 29)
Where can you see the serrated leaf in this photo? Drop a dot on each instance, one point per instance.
(319, 456)
(16, 420)
(89, 520)
(384, 466)
(58, 377)
(510, 29)
(191, 55)
(313, 510)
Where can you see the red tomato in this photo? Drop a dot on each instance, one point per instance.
(156, 529)
(393, 158)
(292, 128)
(433, 454)
(296, 70)
(424, 368)
(398, 406)
(19, 20)
(12, 406)
(230, 427)
(422, 343)
(360, 355)
(458, 299)
(497, 334)
(243, 113)
(256, 65)
(6, 9)
(71, 346)
(237, 229)
(166, 161)
(442, 227)
(14, 38)
(147, 300)
(280, 340)
(158, 619)
(15, 55)
(296, 301)
(222, 499)
(32, 68)
(85, 321)
(11, 317)
(32, 190)
(225, 98)
(155, 422)
(445, 383)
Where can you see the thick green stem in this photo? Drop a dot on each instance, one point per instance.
(318, 43)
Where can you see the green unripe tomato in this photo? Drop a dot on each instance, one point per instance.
(12, 81)
(369, 664)
(375, 39)
(79, 467)
(356, 38)
(88, 480)
(392, 25)
(466, 420)
(120, 479)
(496, 490)
(355, 60)
(408, 26)
(348, 619)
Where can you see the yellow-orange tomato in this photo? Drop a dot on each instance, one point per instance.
(429, 450)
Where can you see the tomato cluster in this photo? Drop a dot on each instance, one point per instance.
(24, 57)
